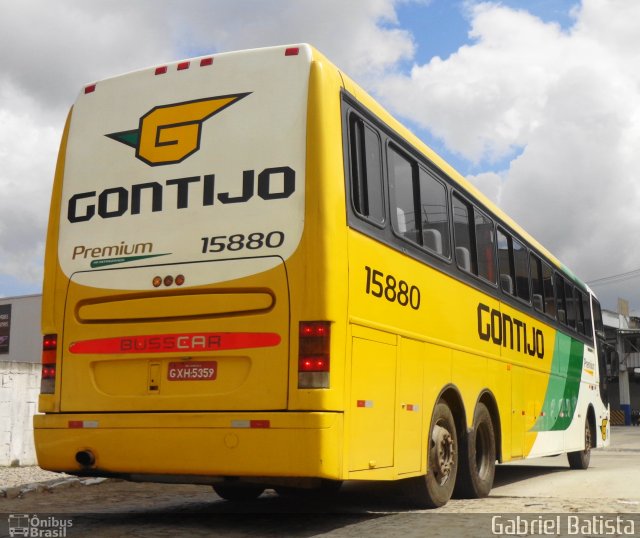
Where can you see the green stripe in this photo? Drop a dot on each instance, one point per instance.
(564, 384)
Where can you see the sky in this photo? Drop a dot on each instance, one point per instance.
(536, 102)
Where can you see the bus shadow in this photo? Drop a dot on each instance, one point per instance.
(511, 474)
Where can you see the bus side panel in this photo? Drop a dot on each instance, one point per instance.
(372, 401)
(410, 411)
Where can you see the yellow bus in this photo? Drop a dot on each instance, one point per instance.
(255, 278)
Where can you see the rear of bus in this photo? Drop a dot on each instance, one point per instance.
(186, 336)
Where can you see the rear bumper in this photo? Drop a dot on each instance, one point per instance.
(269, 444)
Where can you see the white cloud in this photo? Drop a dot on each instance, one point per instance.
(50, 50)
(551, 116)
(563, 109)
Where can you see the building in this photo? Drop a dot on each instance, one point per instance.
(623, 367)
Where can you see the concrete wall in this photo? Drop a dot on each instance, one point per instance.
(19, 390)
(20, 381)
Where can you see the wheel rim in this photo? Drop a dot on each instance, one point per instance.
(442, 453)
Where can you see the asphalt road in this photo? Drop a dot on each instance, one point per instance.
(536, 489)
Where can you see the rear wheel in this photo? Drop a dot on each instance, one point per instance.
(435, 489)
(581, 458)
(238, 492)
(478, 457)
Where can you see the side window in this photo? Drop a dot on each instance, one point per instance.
(548, 291)
(505, 263)
(571, 306)
(578, 297)
(474, 239)
(462, 232)
(485, 247)
(521, 265)
(514, 266)
(588, 329)
(561, 302)
(419, 211)
(366, 170)
(434, 215)
(535, 265)
(597, 318)
(405, 212)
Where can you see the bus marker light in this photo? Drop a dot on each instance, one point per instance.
(183, 65)
(157, 281)
(168, 280)
(90, 88)
(161, 70)
(364, 403)
(179, 280)
(292, 51)
(206, 61)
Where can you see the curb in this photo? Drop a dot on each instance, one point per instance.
(50, 486)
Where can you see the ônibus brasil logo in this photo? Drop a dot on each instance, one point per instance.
(168, 134)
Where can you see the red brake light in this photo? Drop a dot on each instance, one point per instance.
(49, 349)
(313, 355)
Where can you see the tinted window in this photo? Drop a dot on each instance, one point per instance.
(434, 215)
(462, 233)
(366, 170)
(588, 330)
(561, 303)
(548, 287)
(484, 246)
(537, 289)
(571, 305)
(521, 266)
(474, 239)
(514, 266)
(405, 212)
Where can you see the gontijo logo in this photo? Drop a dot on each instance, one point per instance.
(168, 134)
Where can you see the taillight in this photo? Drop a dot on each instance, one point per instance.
(313, 355)
(48, 379)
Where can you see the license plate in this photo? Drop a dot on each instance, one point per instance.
(192, 371)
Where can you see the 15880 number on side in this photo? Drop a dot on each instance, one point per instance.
(392, 289)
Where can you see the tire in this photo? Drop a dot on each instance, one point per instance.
(238, 492)
(581, 458)
(477, 457)
(435, 488)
